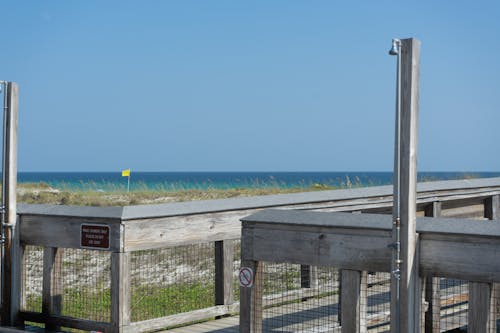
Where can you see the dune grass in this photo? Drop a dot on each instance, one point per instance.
(41, 193)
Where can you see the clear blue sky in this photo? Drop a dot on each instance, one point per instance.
(248, 85)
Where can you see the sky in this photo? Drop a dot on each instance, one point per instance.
(269, 85)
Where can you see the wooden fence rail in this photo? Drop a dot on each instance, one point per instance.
(455, 248)
(145, 228)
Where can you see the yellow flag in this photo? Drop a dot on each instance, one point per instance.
(126, 173)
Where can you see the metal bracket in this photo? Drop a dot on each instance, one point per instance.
(396, 273)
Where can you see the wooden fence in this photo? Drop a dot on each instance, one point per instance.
(456, 248)
(121, 231)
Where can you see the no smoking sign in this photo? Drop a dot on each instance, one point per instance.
(246, 277)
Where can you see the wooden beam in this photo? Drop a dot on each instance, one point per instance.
(120, 291)
(251, 295)
(224, 257)
(251, 309)
(432, 286)
(65, 231)
(308, 276)
(492, 207)
(52, 283)
(353, 301)
(481, 319)
(54, 320)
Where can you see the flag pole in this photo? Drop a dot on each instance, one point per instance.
(126, 173)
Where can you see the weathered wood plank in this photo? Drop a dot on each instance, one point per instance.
(308, 276)
(492, 207)
(473, 258)
(22, 274)
(357, 252)
(482, 312)
(58, 231)
(432, 286)
(178, 319)
(61, 321)
(52, 283)
(463, 208)
(354, 301)
(120, 290)
(224, 256)
(182, 230)
(251, 299)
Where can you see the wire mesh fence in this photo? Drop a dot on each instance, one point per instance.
(454, 296)
(496, 307)
(172, 280)
(299, 298)
(80, 285)
(378, 302)
(86, 284)
(236, 267)
(32, 283)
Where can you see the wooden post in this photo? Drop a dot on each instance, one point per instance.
(308, 276)
(492, 207)
(11, 270)
(224, 256)
(251, 300)
(52, 283)
(250, 295)
(492, 212)
(22, 290)
(120, 290)
(432, 286)
(480, 317)
(353, 301)
(409, 284)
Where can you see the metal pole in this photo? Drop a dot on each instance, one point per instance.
(3, 87)
(396, 230)
(10, 277)
(406, 298)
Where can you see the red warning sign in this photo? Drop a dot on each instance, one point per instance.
(246, 277)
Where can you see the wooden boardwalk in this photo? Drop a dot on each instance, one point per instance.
(223, 325)
(320, 315)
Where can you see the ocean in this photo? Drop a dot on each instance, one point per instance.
(176, 181)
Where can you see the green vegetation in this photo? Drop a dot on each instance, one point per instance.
(150, 302)
(42, 193)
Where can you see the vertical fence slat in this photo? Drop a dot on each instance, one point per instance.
(224, 256)
(308, 276)
(354, 301)
(22, 280)
(492, 212)
(52, 283)
(432, 286)
(492, 207)
(251, 300)
(480, 317)
(120, 290)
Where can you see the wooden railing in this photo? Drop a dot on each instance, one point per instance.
(452, 248)
(121, 231)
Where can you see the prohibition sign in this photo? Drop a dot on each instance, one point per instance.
(246, 277)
